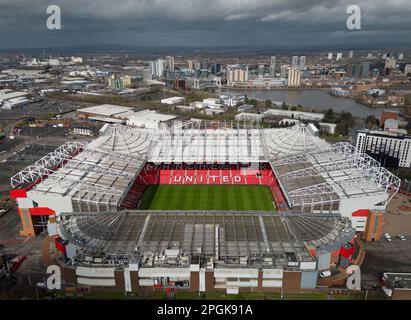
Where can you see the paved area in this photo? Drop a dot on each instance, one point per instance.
(398, 204)
(31, 270)
(384, 256)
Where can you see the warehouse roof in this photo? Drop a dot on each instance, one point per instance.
(105, 110)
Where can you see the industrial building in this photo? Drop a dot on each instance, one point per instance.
(89, 194)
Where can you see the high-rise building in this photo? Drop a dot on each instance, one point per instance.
(365, 69)
(236, 73)
(294, 62)
(351, 54)
(284, 70)
(390, 63)
(391, 149)
(407, 69)
(190, 65)
(339, 56)
(272, 66)
(330, 56)
(215, 68)
(354, 70)
(197, 65)
(294, 77)
(400, 56)
(157, 67)
(261, 69)
(169, 63)
(302, 62)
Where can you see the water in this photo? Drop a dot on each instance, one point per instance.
(318, 99)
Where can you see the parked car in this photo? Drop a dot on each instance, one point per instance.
(325, 273)
(387, 237)
(402, 237)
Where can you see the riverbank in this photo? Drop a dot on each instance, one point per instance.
(317, 99)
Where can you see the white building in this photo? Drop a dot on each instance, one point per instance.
(10, 99)
(391, 148)
(173, 100)
(148, 119)
(300, 115)
(157, 67)
(236, 74)
(294, 77)
(212, 103)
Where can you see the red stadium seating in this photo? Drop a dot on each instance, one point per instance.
(203, 174)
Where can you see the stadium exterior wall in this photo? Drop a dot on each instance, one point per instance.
(292, 281)
(348, 206)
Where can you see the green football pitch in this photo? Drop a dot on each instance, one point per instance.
(207, 197)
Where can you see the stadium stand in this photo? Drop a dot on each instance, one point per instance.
(180, 174)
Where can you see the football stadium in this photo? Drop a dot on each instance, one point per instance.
(204, 206)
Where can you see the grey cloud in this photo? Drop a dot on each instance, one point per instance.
(199, 22)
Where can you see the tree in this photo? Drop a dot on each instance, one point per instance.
(371, 122)
(293, 108)
(342, 128)
(254, 102)
(268, 103)
(284, 107)
(329, 115)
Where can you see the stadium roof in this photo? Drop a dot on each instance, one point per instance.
(98, 175)
(323, 177)
(232, 142)
(229, 237)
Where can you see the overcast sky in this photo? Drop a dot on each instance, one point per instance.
(207, 23)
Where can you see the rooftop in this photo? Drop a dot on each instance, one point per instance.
(228, 237)
(321, 178)
(105, 110)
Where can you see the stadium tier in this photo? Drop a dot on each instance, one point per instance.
(91, 194)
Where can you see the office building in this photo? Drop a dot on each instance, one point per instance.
(170, 63)
(302, 62)
(157, 67)
(261, 71)
(339, 56)
(365, 69)
(294, 62)
(272, 66)
(284, 70)
(392, 149)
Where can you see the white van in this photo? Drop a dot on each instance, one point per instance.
(387, 237)
(325, 274)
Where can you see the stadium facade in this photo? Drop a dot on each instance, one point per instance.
(89, 196)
